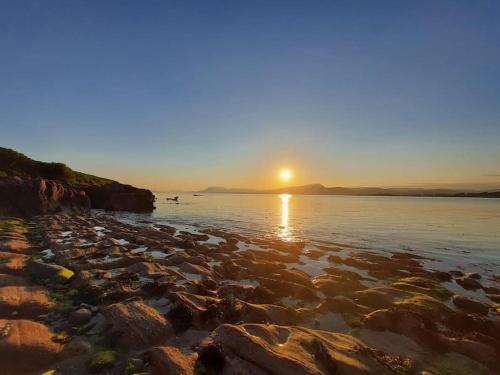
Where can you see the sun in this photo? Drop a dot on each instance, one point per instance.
(285, 175)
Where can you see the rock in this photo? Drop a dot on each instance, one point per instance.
(337, 286)
(26, 346)
(136, 324)
(80, 316)
(292, 351)
(469, 323)
(377, 298)
(288, 289)
(341, 304)
(25, 198)
(170, 360)
(469, 283)
(471, 305)
(118, 197)
(11, 263)
(405, 322)
(9, 280)
(24, 302)
(39, 270)
(494, 297)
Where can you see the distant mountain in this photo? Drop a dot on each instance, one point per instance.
(318, 189)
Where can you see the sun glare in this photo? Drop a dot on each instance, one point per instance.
(285, 175)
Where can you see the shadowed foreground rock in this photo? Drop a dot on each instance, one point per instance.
(262, 349)
(25, 198)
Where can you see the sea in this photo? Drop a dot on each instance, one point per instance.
(462, 233)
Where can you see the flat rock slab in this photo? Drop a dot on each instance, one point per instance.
(24, 302)
(296, 351)
(26, 346)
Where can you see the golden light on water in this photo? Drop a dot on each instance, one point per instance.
(285, 175)
(284, 232)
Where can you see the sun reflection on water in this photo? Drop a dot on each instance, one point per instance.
(284, 231)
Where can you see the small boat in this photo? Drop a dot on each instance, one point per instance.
(175, 199)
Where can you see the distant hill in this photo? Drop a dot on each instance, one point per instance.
(15, 164)
(318, 189)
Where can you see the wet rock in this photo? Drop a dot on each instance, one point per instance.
(332, 286)
(378, 298)
(80, 316)
(137, 325)
(469, 283)
(288, 289)
(341, 304)
(243, 292)
(467, 323)
(425, 306)
(170, 360)
(407, 323)
(471, 305)
(264, 313)
(423, 285)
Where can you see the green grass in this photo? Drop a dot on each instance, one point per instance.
(15, 164)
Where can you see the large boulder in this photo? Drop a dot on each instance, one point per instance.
(137, 325)
(25, 198)
(26, 346)
(118, 197)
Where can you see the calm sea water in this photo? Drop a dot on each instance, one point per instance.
(456, 230)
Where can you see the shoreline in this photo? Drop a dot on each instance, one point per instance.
(106, 295)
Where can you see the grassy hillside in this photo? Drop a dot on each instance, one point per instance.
(13, 163)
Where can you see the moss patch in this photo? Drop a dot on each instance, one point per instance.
(423, 285)
(423, 304)
(353, 320)
(65, 302)
(13, 226)
(102, 360)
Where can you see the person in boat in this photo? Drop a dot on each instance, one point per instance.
(175, 199)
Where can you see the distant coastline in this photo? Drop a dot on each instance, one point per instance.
(318, 189)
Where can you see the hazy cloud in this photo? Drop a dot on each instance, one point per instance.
(493, 175)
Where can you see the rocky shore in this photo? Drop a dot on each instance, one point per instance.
(86, 293)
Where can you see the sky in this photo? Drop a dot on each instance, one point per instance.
(188, 94)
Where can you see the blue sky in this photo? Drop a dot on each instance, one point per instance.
(185, 94)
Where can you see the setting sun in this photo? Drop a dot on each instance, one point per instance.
(285, 174)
